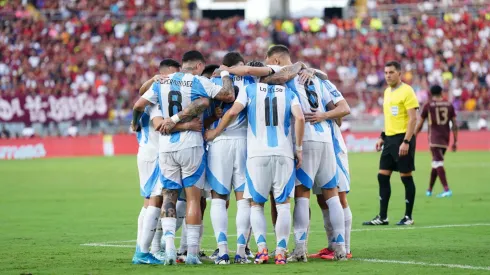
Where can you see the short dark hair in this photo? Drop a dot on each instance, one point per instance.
(436, 90)
(277, 49)
(255, 63)
(168, 62)
(209, 69)
(232, 58)
(193, 56)
(395, 64)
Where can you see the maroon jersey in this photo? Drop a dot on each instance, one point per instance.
(439, 113)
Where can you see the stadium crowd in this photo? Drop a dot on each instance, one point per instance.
(110, 53)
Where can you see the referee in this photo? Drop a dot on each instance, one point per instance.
(397, 143)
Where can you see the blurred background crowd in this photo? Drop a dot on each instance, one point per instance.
(110, 47)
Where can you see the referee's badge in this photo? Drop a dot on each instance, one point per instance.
(394, 110)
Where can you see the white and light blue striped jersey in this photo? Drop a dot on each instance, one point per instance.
(338, 139)
(148, 137)
(238, 128)
(173, 95)
(313, 97)
(269, 119)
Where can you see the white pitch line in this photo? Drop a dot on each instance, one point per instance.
(487, 268)
(375, 228)
(425, 264)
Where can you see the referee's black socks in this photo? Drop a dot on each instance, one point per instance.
(409, 195)
(384, 195)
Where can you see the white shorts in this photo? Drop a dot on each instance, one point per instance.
(343, 172)
(149, 173)
(227, 160)
(319, 168)
(271, 173)
(184, 168)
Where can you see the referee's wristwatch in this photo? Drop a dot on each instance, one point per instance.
(406, 141)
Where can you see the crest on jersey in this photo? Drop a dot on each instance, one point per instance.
(335, 93)
(394, 110)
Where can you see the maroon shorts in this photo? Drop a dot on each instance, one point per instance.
(437, 153)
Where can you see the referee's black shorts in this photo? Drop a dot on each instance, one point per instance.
(390, 159)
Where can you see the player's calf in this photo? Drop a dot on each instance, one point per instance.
(219, 220)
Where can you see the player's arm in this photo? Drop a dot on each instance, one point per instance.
(299, 130)
(247, 70)
(320, 74)
(149, 97)
(338, 111)
(225, 121)
(227, 92)
(422, 118)
(194, 109)
(285, 74)
(193, 125)
(455, 133)
(146, 85)
(217, 114)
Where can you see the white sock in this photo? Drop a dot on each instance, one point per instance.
(168, 228)
(300, 222)
(283, 227)
(149, 226)
(140, 225)
(328, 227)
(193, 239)
(259, 226)
(219, 220)
(156, 243)
(348, 227)
(201, 233)
(183, 238)
(338, 222)
(242, 225)
(180, 208)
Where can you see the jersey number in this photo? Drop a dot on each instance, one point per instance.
(312, 97)
(269, 110)
(174, 102)
(441, 115)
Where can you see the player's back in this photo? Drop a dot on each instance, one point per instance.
(312, 97)
(439, 113)
(237, 128)
(148, 137)
(269, 118)
(174, 94)
(336, 97)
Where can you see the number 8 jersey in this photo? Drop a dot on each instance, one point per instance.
(269, 119)
(174, 94)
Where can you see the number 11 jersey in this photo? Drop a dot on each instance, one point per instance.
(269, 119)
(174, 94)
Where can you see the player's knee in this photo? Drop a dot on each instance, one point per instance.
(343, 199)
(409, 174)
(155, 201)
(385, 172)
(301, 192)
(321, 202)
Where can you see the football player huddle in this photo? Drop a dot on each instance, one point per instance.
(267, 132)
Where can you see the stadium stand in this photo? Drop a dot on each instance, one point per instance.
(112, 47)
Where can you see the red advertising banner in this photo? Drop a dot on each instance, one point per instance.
(51, 147)
(47, 108)
(127, 145)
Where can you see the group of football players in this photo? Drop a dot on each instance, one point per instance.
(265, 131)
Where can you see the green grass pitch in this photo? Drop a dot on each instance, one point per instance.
(50, 208)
